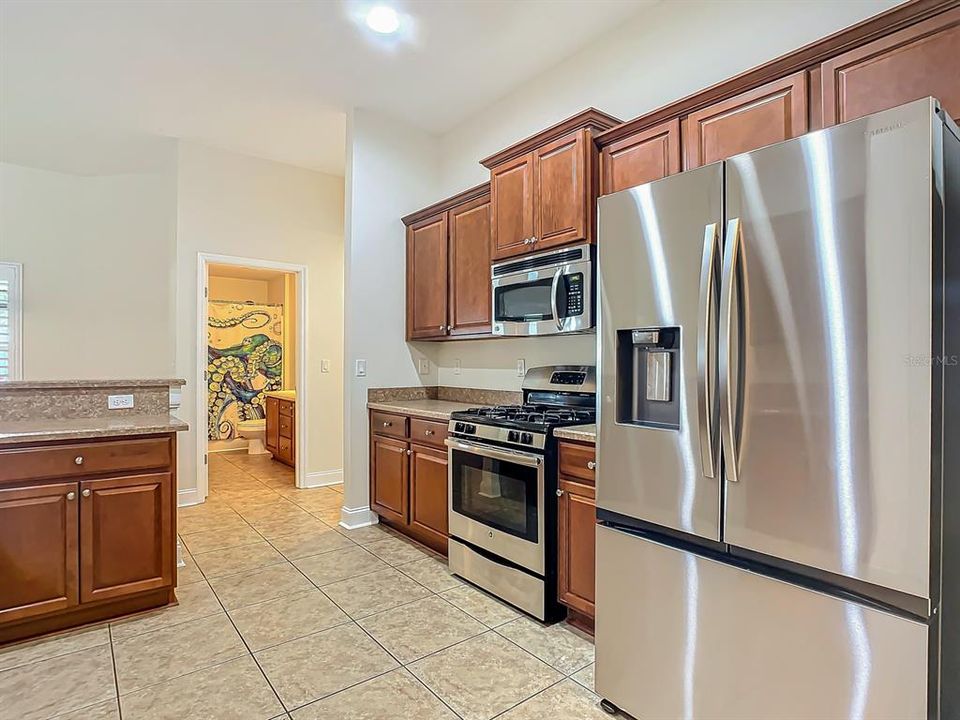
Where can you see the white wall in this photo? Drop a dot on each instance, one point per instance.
(392, 170)
(669, 51)
(97, 254)
(248, 207)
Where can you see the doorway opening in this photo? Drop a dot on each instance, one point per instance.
(251, 356)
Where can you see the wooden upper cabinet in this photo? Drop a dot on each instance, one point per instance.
(470, 268)
(126, 535)
(427, 278)
(648, 155)
(918, 61)
(38, 550)
(765, 115)
(512, 205)
(563, 172)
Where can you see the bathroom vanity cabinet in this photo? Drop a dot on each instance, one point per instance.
(281, 438)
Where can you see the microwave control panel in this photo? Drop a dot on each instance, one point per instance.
(574, 294)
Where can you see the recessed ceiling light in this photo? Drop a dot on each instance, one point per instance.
(383, 20)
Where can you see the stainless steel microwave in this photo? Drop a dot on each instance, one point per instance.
(544, 294)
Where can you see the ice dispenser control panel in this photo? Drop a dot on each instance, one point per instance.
(648, 363)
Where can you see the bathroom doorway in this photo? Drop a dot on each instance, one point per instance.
(251, 357)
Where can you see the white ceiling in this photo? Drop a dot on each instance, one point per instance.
(84, 80)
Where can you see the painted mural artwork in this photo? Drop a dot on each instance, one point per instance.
(244, 361)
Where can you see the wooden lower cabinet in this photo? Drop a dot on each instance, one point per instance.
(281, 430)
(125, 532)
(389, 473)
(408, 476)
(94, 545)
(576, 529)
(39, 562)
(428, 492)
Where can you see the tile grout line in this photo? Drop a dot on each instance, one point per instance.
(116, 675)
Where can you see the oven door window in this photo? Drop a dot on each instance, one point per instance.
(524, 302)
(499, 494)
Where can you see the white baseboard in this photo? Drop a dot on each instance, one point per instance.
(188, 497)
(324, 478)
(353, 518)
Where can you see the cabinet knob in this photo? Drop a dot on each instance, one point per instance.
(409, 452)
(387, 424)
(78, 460)
(559, 492)
(443, 328)
(86, 493)
(591, 465)
(428, 432)
(71, 495)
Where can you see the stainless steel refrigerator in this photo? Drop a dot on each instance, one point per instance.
(779, 431)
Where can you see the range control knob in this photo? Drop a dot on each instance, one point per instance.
(458, 427)
(526, 439)
(513, 436)
(471, 429)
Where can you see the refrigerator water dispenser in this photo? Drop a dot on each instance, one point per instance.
(648, 376)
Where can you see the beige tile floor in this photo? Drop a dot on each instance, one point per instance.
(283, 614)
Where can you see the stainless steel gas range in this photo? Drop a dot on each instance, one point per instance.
(502, 487)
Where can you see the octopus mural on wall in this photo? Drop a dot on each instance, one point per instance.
(241, 366)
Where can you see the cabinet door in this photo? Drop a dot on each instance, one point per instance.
(427, 278)
(428, 491)
(273, 424)
(512, 206)
(577, 525)
(38, 550)
(564, 191)
(389, 472)
(913, 63)
(470, 268)
(765, 115)
(649, 155)
(126, 535)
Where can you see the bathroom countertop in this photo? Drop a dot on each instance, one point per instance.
(282, 394)
(430, 409)
(583, 433)
(45, 429)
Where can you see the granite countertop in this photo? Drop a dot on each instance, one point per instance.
(583, 433)
(283, 394)
(73, 384)
(42, 429)
(432, 409)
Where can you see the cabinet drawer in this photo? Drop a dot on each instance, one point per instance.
(285, 448)
(286, 426)
(578, 461)
(388, 424)
(428, 432)
(84, 459)
(286, 408)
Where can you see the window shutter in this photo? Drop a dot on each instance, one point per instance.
(9, 321)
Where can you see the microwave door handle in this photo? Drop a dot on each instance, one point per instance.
(553, 298)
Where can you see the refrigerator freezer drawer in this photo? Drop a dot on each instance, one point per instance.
(681, 636)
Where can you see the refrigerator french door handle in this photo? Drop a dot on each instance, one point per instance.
(706, 351)
(731, 255)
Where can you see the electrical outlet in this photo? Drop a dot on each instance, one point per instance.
(457, 368)
(521, 367)
(361, 368)
(324, 366)
(424, 366)
(119, 402)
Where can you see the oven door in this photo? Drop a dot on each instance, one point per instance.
(497, 501)
(547, 301)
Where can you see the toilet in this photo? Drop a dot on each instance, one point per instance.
(255, 431)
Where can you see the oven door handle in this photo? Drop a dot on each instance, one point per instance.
(496, 453)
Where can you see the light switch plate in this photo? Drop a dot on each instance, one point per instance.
(424, 366)
(361, 368)
(521, 367)
(119, 402)
(457, 367)
(324, 366)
